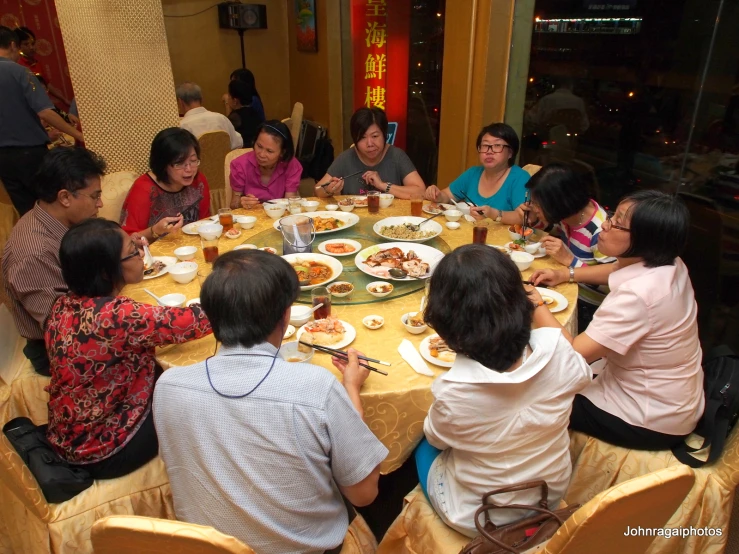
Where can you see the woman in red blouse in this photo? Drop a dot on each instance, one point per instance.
(174, 193)
(101, 348)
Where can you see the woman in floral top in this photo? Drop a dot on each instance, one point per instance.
(101, 348)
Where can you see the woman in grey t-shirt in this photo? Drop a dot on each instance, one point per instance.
(382, 166)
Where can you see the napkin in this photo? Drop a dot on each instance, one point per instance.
(409, 353)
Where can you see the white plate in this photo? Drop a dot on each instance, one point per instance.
(539, 253)
(362, 199)
(192, 228)
(168, 262)
(427, 210)
(426, 353)
(428, 254)
(501, 247)
(289, 332)
(349, 335)
(561, 300)
(333, 263)
(354, 243)
(432, 226)
(348, 218)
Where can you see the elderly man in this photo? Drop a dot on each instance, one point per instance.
(23, 139)
(68, 186)
(197, 119)
(255, 446)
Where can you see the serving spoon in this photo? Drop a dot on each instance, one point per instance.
(154, 296)
(417, 226)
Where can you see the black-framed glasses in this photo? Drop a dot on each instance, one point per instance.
(136, 254)
(608, 224)
(487, 148)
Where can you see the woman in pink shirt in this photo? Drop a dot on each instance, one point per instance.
(267, 172)
(649, 396)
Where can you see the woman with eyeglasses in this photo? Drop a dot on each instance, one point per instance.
(174, 193)
(101, 348)
(497, 186)
(649, 396)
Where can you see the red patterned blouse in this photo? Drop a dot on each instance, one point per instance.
(102, 369)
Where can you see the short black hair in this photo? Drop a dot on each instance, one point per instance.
(66, 169)
(279, 130)
(24, 33)
(559, 191)
(171, 146)
(363, 119)
(659, 224)
(241, 92)
(504, 132)
(90, 256)
(478, 305)
(246, 296)
(7, 37)
(246, 76)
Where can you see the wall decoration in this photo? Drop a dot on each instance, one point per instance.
(305, 11)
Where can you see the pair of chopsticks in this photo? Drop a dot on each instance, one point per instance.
(527, 201)
(345, 356)
(466, 199)
(346, 177)
(540, 285)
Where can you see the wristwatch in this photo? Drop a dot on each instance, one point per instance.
(387, 188)
(500, 216)
(572, 275)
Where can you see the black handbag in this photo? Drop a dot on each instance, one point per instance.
(57, 480)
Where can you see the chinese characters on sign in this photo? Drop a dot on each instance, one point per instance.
(376, 45)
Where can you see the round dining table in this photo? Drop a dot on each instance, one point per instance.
(395, 405)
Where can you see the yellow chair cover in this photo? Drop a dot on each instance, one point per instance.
(294, 122)
(8, 216)
(126, 534)
(531, 168)
(115, 189)
(598, 526)
(231, 156)
(214, 147)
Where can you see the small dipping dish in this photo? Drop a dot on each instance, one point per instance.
(453, 225)
(373, 321)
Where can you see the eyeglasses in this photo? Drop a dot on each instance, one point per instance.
(96, 197)
(608, 224)
(187, 164)
(136, 254)
(487, 148)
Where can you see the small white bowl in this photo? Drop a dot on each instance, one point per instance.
(185, 253)
(275, 211)
(346, 207)
(184, 272)
(299, 315)
(245, 221)
(331, 207)
(290, 353)
(370, 288)
(513, 234)
(532, 247)
(281, 201)
(246, 247)
(452, 215)
(174, 300)
(340, 294)
(210, 231)
(462, 207)
(311, 205)
(373, 321)
(386, 200)
(410, 328)
(523, 260)
(453, 225)
(234, 233)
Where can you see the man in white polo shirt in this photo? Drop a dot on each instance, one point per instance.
(198, 120)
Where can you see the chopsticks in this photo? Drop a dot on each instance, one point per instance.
(344, 355)
(527, 200)
(345, 177)
(540, 285)
(470, 202)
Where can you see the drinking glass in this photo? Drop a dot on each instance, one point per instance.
(373, 201)
(417, 205)
(321, 295)
(210, 249)
(226, 218)
(295, 205)
(480, 232)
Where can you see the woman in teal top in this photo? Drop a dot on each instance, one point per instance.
(497, 186)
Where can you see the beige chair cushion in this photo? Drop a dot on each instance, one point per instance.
(115, 189)
(231, 156)
(214, 147)
(531, 168)
(12, 360)
(8, 216)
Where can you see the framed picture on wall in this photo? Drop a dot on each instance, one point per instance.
(305, 11)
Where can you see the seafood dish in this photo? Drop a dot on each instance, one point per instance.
(433, 208)
(360, 201)
(232, 233)
(439, 349)
(381, 289)
(416, 320)
(327, 223)
(154, 269)
(346, 202)
(339, 248)
(404, 232)
(312, 273)
(395, 258)
(323, 332)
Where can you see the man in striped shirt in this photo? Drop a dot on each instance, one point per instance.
(68, 187)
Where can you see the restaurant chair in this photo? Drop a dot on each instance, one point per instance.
(115, 189)
(231, 156)
(8, 216)
(125, 534)
(214, 147)
(597, 466)
(531, 169)
(29, 524)
(294, 123)
(598, 526)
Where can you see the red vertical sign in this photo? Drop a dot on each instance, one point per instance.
(380, 42)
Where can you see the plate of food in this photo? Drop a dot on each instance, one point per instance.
(330, 332)
(360, 201)
(435, 350)
(553, 300)
(399, 261)
(401, 228)
(433, 208)
(339, 247)
(314, 270)
(514, 246)
(232, 233)
(160, 266)
(192, 228)
(328, 222)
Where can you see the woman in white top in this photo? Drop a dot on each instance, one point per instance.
(650, 395)
(500, 414)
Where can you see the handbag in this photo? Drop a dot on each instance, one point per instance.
(519, 535)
